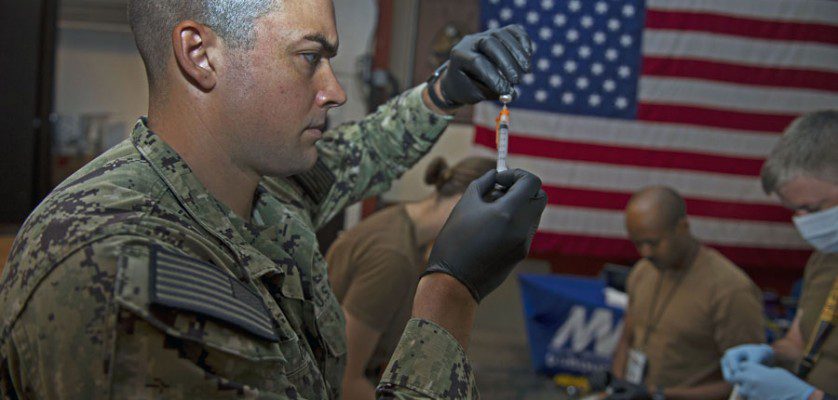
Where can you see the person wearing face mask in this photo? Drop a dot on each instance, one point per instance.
(803, 171)
(687, 305)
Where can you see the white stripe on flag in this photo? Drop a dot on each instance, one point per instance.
(728, 96)
(619, 132)
(628, 179)
(605, 223)
(824, 12)
(730, 49)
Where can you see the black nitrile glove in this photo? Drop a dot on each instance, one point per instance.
(600, 380)
(483, 239)
(486, 65)
(624, 390)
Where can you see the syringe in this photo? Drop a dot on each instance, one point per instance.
(502, 133)
(502, 141)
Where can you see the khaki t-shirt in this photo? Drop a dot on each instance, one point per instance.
(373, 270)
(715, 307)
(821, 272)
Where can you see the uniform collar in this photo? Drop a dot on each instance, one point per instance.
(201, 205)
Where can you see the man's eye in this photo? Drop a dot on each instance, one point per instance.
(312, 58)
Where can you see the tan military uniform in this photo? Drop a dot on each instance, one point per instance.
(131, 281)
(373, 270)
(696, 314)
(821, 272)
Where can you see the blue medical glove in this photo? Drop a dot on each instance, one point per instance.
(756, 381)
(735, 356)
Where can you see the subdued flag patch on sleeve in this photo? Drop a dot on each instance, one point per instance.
(188, 284)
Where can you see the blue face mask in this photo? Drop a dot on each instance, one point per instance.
(820, 229)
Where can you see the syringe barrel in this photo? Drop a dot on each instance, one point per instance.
(503, 137)
(503, 145)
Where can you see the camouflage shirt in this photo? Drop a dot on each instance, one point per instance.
(131, 281)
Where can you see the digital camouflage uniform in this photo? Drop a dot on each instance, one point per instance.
(131, 281)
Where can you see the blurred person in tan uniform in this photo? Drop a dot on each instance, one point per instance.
(375, 266)
(803, 171)
(687, 305)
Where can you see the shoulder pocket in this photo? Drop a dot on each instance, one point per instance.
(197, 301)
(192, 285)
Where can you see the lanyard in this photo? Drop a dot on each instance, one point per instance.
(652, 323)
(820, 332)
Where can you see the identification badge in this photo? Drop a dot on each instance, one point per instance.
(636, 366)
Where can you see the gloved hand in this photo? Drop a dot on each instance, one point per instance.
(485, 65)
(756, 381)
(624, 390)
(482, 240)
(600, 380)
(735, 356)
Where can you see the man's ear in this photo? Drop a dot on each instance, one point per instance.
(195, 46)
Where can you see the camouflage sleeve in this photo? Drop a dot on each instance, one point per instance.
(67, 326)
(361, 159)
(427, 364)
(98, 345)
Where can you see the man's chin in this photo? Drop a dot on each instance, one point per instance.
(304, 164)
(311, 161)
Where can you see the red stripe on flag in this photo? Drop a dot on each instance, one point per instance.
(546, 244)
(700, 116)
(740, 74)
(576, 197)
(556, 149)
(739, 26)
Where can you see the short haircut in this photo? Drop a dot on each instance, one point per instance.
(809, 147)
(152, 22)
(666, 203)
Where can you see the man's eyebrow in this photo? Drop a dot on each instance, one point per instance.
(331, 49)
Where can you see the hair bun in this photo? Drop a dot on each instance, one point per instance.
(437, 172)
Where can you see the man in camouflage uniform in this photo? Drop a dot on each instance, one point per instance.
(183, 263)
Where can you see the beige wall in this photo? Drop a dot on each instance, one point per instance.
(99, 71)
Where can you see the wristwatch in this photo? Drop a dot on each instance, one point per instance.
(442, 104)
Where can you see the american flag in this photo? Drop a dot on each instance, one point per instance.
(691, 94)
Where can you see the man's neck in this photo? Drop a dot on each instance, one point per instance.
(690, 253)
(195, 140)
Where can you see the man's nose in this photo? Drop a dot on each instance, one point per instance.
(331, 94)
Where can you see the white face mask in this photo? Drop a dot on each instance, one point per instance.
(820, 229)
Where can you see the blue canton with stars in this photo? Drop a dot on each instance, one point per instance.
(588, 53)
